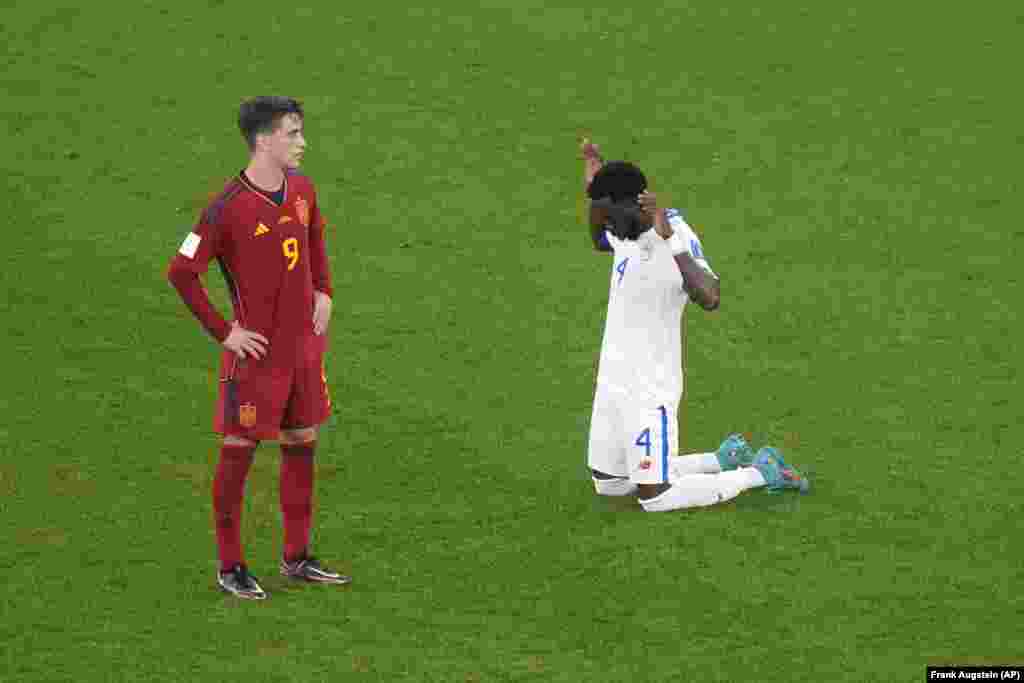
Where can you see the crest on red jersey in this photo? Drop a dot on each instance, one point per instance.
(302, 208)
(247, 415)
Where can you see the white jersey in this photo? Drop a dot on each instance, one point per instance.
(641, 355)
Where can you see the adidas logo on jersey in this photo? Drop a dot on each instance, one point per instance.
(261, 230)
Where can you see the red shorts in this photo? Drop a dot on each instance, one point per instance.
(256, 400)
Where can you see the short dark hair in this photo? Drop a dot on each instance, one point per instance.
(614, 190)
(262, 115)
(619, 180)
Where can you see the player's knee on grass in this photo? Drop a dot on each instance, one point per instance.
(608, 485)
(298, 436)
(232, 440)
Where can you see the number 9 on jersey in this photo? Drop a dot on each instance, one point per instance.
(290, 247)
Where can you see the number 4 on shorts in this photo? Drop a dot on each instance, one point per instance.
(645, 440)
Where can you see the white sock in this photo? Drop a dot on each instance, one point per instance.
(699, 490)
(695, 463)
(746, 477)
(614, 487)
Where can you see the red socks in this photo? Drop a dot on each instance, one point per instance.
(228, 489)
(296, 500)
(297, 497)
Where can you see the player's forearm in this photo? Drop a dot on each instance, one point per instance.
(198, 301)
(320, 267)
(591, 165)
(701, 285)
(322, 275)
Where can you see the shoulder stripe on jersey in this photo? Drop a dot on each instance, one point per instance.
(212, 212)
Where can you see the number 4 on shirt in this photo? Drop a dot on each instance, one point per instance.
(621, 269)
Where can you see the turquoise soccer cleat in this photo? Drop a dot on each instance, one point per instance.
(777, 474)
(734, 452)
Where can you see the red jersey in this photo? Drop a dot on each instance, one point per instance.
(272, 257)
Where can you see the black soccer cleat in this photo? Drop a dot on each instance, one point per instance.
(239, 582)
(310, 569)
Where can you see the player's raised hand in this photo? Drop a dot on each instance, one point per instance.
(592, 161)
(322, 305)
(245, 343)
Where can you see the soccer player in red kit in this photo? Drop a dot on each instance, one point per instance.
(266, 233)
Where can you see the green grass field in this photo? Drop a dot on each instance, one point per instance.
(854, 173)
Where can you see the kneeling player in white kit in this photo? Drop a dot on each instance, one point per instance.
(659, 265)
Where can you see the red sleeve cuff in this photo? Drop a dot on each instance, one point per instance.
(220, 331)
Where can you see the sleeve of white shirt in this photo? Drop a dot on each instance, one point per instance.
(693, 244)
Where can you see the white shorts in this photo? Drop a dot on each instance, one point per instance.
(632, 437)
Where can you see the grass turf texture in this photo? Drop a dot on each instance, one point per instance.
(853, 173)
